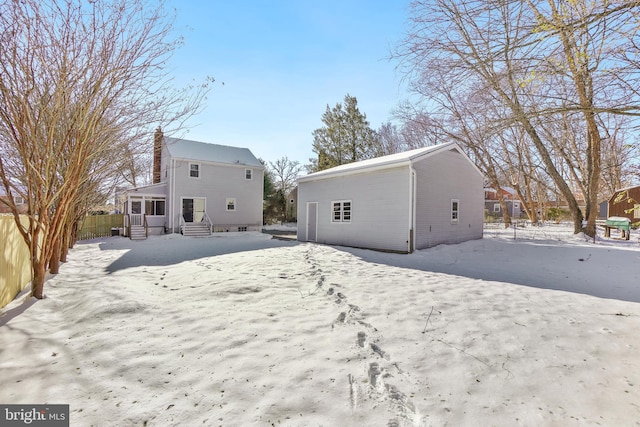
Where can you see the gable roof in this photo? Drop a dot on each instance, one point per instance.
(622, 190)
(202, 151)
(384, 162)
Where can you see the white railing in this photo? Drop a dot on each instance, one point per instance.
(182, 223)
(207, 221)
(136, 219)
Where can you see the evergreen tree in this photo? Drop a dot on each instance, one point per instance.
(345, 138)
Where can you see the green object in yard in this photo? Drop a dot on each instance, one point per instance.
(621, 223)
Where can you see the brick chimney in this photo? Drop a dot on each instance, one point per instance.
(158, 136)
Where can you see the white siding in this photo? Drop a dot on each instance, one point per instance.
(216, 183)
(379, 209)
(440, 178)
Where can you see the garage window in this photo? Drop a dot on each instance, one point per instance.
(341, 211)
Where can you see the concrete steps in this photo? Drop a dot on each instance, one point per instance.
(137, 232)
(196, 229)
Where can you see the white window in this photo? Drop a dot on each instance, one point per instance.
(231, 204)
(136, 207)
(194, 170)
(154, 207)
(496, 208)
(636, 211)
(248, 174)
(455, 210)
(341, 211)
(18, 200)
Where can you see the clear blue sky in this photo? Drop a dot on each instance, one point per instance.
(282, 62)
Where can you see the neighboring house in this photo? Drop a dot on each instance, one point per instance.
(400, 202)
(198, 188)
(492, 202)
(625, 203)
(19, 201)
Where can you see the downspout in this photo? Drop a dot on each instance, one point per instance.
(172, 193)
(412, 208)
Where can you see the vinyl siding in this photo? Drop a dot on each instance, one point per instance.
(216, 183)
(379, 209)
(440, 178)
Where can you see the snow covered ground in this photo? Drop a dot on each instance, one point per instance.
(243, 330)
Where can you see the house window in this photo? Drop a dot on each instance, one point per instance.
(248, 174)
(194, 170)
(636, 211)
(136, 207)
(242, 228)
(19, 200)
(341, 211)
(154, 207)
(455, 210)
(231, 204)
(496, 208)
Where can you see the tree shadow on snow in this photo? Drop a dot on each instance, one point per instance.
(174, 249)
(600, 271)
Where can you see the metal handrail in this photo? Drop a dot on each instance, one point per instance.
(207, 221)
(146, 226)
(182, 223)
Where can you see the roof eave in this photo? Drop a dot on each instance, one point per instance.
(210, 162)
(354, 171)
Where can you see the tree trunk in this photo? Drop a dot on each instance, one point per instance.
(39, 274)
(506, 216)
(54, 262)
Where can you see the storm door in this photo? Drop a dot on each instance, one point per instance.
(193, 209)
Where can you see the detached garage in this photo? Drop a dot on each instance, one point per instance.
(401, 202)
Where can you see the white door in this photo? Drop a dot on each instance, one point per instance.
(312, 221)
(193, 209)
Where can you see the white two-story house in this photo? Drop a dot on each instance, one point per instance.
(198, 188)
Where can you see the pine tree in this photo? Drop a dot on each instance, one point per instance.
(345, 138)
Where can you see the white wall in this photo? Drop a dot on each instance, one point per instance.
(379, 204)
(216, 183)
(440, 178)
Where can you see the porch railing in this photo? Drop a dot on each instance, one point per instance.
(206, 220)
(133, 220)
(137, 219)
(182, 223)
(146, 226)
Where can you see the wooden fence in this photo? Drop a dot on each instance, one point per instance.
(99, 225)
(15, 261)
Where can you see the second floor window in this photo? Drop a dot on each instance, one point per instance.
(248, 174)
(194, 170)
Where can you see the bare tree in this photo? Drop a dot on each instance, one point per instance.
(285, 173)
(80, 84)
(390, 139)
(538, 59)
